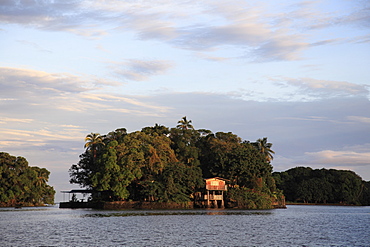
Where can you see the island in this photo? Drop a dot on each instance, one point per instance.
(180, 167)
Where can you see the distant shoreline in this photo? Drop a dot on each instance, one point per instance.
(321, 204)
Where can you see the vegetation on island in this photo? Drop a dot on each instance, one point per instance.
(161, 164)
(307, 185)
(22, 185)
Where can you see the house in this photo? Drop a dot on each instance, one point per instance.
(214, 192)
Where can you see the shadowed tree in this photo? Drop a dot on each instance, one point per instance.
(265, 148)
(42, 176)
(156, 130)
(320, 186)
(116, 135)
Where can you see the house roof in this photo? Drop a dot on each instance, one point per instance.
(217, 178)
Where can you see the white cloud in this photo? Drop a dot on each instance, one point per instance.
(26, 81)
(64, 99)
(347, 157)
(355, 158)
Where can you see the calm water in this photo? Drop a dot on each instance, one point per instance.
(295, 226)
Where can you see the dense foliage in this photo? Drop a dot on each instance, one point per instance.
(304, 184)
(168, 165)
(22, 185)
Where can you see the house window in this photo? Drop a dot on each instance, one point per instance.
(214, 183)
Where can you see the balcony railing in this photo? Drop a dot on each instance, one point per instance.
(213, 187)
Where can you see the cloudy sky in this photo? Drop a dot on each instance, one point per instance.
(296, 72)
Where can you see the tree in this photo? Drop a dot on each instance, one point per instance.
(365, 195)
(146, 156)
(156, 130)
(23, 185)
(184, 144)
(116, 135)
(320, 185)
(225, 155)
(82, 172)
(168, 165)
(93, 142)
(180, 182)
(111, 176)
(265, 148)
(184, 124)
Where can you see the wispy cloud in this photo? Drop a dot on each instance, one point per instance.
(16, 81)
(315, 88)
(68, 16)
(139, 70)
(42, 95)
(34, 45)
(251, 26)
(360, 16)
(6, 120)
(361, 119)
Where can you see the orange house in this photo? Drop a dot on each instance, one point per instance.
(214, 195)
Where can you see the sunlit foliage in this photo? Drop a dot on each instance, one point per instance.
(169, 164)
(22, 185)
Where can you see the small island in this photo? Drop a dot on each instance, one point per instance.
(304, 185)
(22, 185)
(161, 167)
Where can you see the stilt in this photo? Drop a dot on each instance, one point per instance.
(207, 198)
(222, 200)
(215, 204)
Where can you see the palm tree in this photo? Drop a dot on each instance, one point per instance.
(184, 124)
(42, 176)
(265, 148)
(93, 142)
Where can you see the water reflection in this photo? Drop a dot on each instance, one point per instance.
(182, 212)
(25, 209)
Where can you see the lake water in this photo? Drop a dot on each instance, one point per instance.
(294, 226)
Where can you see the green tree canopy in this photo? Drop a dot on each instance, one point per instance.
(304, 184)
(23, 185)
(168, 165)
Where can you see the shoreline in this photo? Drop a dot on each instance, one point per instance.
(323, 204)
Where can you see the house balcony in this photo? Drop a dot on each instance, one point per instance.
(216, 187)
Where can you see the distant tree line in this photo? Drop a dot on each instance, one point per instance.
(22, 185)
(307, 185)
(162, 164)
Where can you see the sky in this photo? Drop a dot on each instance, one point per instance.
(296, 72)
